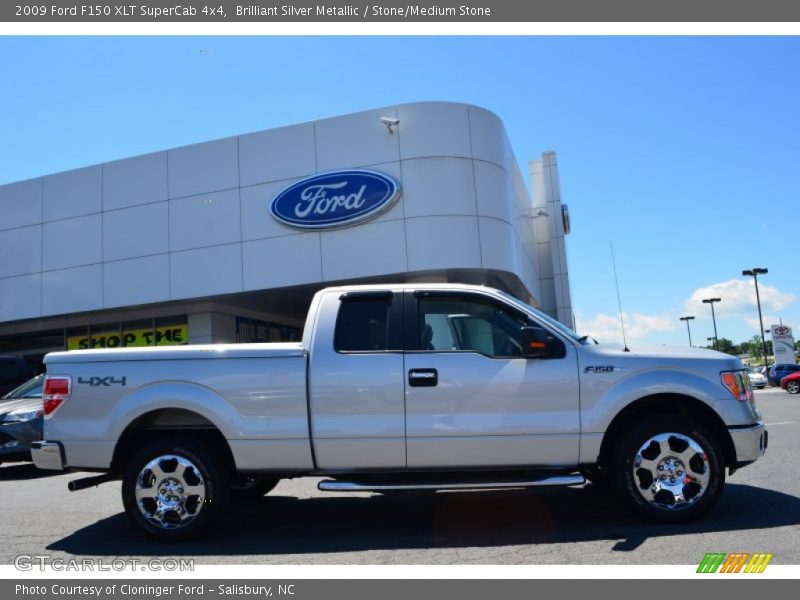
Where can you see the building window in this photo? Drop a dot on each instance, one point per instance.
(167, 331)
(250, 331)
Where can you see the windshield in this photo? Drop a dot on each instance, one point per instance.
(548, 319)
(30, 389)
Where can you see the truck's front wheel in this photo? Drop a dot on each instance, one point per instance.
(670, 469)
(173, 488)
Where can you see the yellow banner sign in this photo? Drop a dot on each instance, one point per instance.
(170, 335)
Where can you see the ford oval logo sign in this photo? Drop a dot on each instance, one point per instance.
(335, 199)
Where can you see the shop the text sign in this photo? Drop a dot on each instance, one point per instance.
(170, 335)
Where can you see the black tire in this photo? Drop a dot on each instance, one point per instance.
(206, 473)
(599, 477)
(793, 387)
(693, 499)
(252, 488)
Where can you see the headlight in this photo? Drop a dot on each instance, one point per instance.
(20, 416)
(738, 384)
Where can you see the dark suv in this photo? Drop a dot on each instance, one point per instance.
(778, 372)
(14, 371)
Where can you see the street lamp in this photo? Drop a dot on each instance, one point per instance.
(713, 341)
(713, 316)
(689, 331)
(754, 273)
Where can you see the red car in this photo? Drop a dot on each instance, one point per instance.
(791, 383)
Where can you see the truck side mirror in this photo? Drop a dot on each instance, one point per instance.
(537, 343)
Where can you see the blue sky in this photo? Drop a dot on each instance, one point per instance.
(683, 151)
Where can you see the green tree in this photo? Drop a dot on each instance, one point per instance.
(754, 346)
(727, 346)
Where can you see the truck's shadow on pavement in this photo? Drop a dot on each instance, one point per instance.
(280, 525)
(21, 471)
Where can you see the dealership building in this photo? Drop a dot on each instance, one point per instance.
(227, 240)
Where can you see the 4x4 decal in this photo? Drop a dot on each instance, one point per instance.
(98, 381)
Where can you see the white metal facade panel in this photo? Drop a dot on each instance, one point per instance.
(21, 204)
(134, 181)
(72, 193)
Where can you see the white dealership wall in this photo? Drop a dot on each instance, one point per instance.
(193, 222)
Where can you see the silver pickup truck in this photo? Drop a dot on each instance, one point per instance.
(398, 387)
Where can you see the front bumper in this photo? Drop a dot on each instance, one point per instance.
(48, 455)
(749, 442)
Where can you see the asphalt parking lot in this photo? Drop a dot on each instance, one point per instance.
(296, 524)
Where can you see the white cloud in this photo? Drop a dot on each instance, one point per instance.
(606, 328)
(753, 323)
(738, 298)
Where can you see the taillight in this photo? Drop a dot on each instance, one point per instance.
(738, 384)
(56, 392)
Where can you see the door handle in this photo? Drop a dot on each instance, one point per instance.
(423, 377)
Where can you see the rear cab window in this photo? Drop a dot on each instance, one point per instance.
(368, 322)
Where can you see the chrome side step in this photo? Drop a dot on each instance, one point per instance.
(335, 485)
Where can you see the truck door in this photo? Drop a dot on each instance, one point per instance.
(356, 382)
(472, 400)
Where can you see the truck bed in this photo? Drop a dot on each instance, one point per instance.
(272, 350)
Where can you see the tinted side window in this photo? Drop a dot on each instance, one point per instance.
(470, 324)
(363, 325)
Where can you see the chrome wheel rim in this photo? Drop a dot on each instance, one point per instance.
(671, 471)
(792, 387)
(170, 491)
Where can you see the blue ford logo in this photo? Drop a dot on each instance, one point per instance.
(335, 199)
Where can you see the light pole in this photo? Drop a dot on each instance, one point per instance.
(713, 316)
(755, 273)
(713, 341)
(689, 331)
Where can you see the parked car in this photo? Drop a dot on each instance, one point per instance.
(399, 387)
(778, 372)
(791, 383)
(757, 379)
(14, 371)
(21, 420)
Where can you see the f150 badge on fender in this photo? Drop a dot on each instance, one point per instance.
(335, 199)
(603, 369)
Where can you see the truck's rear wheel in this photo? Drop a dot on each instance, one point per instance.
(671, 470)
(173, 488)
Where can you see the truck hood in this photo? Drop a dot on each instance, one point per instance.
(282, 350)
(673, 356)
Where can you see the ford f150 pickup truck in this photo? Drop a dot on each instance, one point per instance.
(398, 387)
